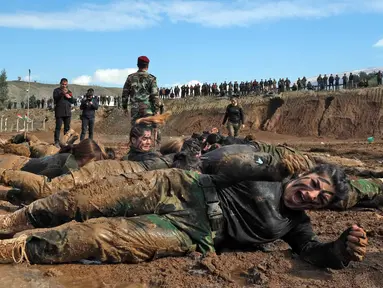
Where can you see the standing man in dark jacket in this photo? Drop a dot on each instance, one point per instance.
(63, 99)
(89, 105)
(235, 117)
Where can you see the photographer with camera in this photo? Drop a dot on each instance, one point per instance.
(89, 104)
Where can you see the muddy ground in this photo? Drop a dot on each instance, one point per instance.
(275, 268)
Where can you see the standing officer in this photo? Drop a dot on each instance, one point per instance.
(142, 91)
(63, 99)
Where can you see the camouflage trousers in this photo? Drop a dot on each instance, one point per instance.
(139, 217)
(233, 129)
(29, 187)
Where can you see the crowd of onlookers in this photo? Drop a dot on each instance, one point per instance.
(331, 82)
(270, 86)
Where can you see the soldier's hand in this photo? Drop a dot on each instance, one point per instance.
(356, 243)
(243, 125)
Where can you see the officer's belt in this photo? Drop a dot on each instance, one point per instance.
(214, 211)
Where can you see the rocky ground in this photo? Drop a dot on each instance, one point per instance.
(275, 268)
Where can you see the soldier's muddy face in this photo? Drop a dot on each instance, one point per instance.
(144, 142)
(310, 191)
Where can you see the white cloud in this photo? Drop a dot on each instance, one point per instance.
(379, 43)
(105, 76)
(82, 80)
(130, 14)
(33, 78)
(113, 76)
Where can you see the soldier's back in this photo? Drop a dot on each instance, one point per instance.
(141, 83)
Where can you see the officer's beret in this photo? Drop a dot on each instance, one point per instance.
(143, 59)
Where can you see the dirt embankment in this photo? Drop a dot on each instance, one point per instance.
(341, 115)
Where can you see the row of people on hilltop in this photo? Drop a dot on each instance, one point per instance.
(271, 85)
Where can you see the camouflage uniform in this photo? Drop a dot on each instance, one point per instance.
(29, 187)
(141, 88)
(362, 193)
(173, 220)
(295, 161)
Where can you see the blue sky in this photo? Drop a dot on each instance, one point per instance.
(98, 41)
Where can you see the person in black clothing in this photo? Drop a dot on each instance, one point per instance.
(88, 106)
(234, 117)
(63, 99)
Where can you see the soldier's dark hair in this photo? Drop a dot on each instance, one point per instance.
(138, 131)
(84, 152)
(187, 161)
(109, 153)
(212, 139)
(142, 64)
(191, 146)
(63, 80)
(338, 178)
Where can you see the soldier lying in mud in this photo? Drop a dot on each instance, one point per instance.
(143, 216)
(29, 187)
(30, 184)
(29, 145)
(68, 158)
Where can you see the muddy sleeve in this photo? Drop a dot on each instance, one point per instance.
(156, 163)
(249, 167)
(226, 115)
(126, 93)
(305, 243)
(154, 97)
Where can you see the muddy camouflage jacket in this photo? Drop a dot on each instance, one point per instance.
(51, 166)
(149, 160)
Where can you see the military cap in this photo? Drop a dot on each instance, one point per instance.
(143, 59)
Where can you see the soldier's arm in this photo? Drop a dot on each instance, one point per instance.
(126, 93)
(57, 95)
(305, 243)
(230, 167)
(242, 116)
(226, 115)
(154, 98)
(366, 193)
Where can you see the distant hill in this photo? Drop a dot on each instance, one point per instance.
(18, 90)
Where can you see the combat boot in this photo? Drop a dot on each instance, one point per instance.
(13, 250)
(14, 222)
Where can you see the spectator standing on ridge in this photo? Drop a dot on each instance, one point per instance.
(89, 105)
(345, 80)
(63, 99)
(379, 77)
